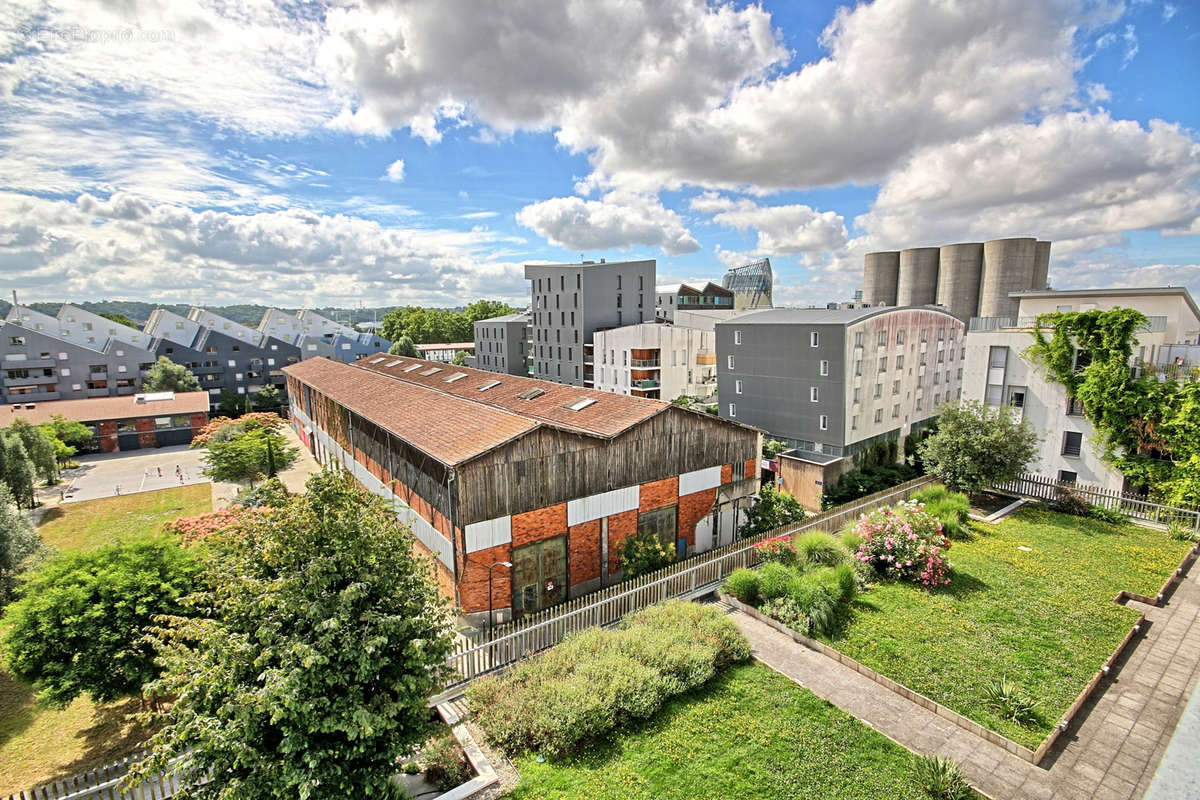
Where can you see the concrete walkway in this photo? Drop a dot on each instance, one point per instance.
(1112, 750)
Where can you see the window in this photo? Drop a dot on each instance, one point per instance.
(881, 340)
(814, 394)
(162, 422)
(580, 404)
(879, 415)
(878, 390)
(733, 409)
(824, 367)
(883, 364)
(1074, 407)
(531, 394)
(660, 522)
(65, 372)
(1016, 398)
(900, 362)
(16, 340)
(895, 387)
(737, 337)
(823, 422)
(856, 394)
(854, 423)
(1067, 476)
(858, 367)
(858, 339)
(1072, 443)
(737, 387)
(814, 339)
(896, 411)
(899, 337)
(729, 362)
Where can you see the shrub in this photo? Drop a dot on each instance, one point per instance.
(952, 509)
(942, 778)
(598, 679)
(787, 611)
(1068, 502)
(846, 583)
(777, 549)
(1105, 514)
(643, 553)
(1010, 701)
(1182, 533)
(410, 768)
(820, 548)
(445, 763)
(773, 580)
(743, 584)
(905, 543)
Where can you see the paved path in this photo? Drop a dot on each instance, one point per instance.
(1112, 753)
(99, 474)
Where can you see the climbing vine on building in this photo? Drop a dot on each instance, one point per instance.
(1146, 424)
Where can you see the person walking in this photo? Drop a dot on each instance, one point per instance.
(160, 472)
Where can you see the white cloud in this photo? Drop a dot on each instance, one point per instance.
(618, 222)
(782, 230)
(480, 215)
(395, 171)
(1169, 10)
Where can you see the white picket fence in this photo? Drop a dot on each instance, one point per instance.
(1131, 505)
(104, 783)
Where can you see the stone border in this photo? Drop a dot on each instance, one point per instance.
(485, 774)
(1168, 585)
(996, 516)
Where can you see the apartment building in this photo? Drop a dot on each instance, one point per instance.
(705, 296)
(316, 335)
(654, 360)
(502, 344)
(831, 382)
(444, 352)
(532, 483)
(570, 302)
(998, 374)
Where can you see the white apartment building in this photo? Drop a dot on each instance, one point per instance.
(654, 360)
(997, 373)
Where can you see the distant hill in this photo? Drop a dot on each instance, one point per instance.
(245, 313)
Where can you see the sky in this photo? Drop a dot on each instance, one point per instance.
(308, 154)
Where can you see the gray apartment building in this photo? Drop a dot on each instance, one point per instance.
(831, 382)
(570, 302)
(502, 344)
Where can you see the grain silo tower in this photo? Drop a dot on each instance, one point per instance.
(1009, 265)
(918, 277)
(881, 271)
(960, 270)
(1041, 267)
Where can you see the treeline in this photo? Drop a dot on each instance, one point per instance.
(433, 325)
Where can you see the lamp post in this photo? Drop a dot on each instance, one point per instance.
(491, 622)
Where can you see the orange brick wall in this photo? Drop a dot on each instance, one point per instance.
(539, 524)
(693, 508)
(751, 467)
(620, 527)
(657, 494)
(726, 473)
(583, 552)
(107, 433)
(473, 588)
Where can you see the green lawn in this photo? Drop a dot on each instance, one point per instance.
(1043, 618)
(91, 523)
(749, 733)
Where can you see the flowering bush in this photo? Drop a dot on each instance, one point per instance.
(905, 543)
(191, 530)
(777, 549)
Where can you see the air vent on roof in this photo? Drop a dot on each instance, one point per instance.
(411, 367)
(530, 394)
(432, 370)
(376, 360)
(458, 376)
(395, 363)
(580, 404)
(487, 386)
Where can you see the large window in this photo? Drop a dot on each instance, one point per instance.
(662, 523)
(539, 575)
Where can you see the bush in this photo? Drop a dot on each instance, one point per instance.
(905, 543)
(596, 680)
(743, 584)
(643, 553)
(1068, 502)
(818, 548)
(942, 778)
(846, 581)
(812, 595)
(787, 611)
(777, 549)
(1182, 533)
(1105, 514)
(867, 480)
(952, 509)
(774, 580)
(1010, 701)
(445, 763)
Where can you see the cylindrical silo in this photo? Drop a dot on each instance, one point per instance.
(1041, 267)
(1008, 266)
(960, 268)
(918, 277)
(880, 273)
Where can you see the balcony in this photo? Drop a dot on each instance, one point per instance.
(644, 363)
(98, 376)
(96, 392)
(1156, 324)
(28, 363)
(32, 380)
(706, 359)
(124, 390)
(32, 397)
(645, 384)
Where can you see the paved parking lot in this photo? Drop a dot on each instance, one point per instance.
(101, 474)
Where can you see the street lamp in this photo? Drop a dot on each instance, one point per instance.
(491, 621)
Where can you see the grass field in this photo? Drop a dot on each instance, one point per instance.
(749, 733)
(91, 523)
(1042, 617)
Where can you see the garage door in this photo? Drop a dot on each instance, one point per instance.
(128, 441)
(171, 437)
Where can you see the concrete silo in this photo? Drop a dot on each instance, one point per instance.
(918, 277)
(1041, 267)
(960, 270)
(1008, 266)
(881, 272)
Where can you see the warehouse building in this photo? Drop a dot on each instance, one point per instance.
(491, 469)
(135, 422)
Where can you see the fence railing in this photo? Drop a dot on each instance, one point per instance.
(104, 783)
(512, 641)
(1131, 505)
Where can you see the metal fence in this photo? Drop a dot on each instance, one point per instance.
(1042, 488)
(700, 574)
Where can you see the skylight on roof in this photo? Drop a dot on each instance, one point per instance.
(458, 376)
(395, 363)
(376, 360)
(530, 394)
(487, 386)
(580, 404)
(432, 370)
(411, 367)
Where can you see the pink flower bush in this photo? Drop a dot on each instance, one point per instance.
(905, 543)
(777, 548)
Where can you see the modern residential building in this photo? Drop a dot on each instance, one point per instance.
(444, 352)
(751, 285)
(706, 296)
(570, 302)
(655, 360)
(831, 382)
(968, 279)
(139, 421)
(502, 344)
(316, 335)
(998, 374)
(493, 470)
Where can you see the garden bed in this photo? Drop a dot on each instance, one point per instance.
(985, 504)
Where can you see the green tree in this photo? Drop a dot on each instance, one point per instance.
(81, 621)
(486, 309)
(773, 510)
(167, 376)
(39, 447)
(976, 446)
(307, 671)
(252, 453)
(65, 434)
(395, 323)
(119, 318)
(683, 400)
(266, 399)
(773, 447)
(642, 553)
(19, 544)
(16, 469)
(230, 403)
(403, 347)
(460, 359)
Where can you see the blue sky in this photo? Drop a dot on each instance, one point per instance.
(421, 153)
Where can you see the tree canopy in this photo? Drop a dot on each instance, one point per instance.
(307, 669)
(39, 447)
(119, 318)
(64, 434)
(246, 450)
(773, 509)
(403, 347)
(433, 325)
(19, 544)
(80, 622)
(17, 471)
(265, 399)
(167, 376)
(976, 446)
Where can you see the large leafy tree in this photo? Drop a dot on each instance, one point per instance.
(773, 510)
(977, 446)
(167, 376)
(39, 447)
(429, 325)
(403, 347)
(81, 621)
(17, 471)
(19, 544)
(307, 669)
(65, 434)
(266, 399)
(247, 449)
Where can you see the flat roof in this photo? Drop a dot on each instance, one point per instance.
(1121, 291)
(99, 409)
(446, 346)
(520, 316)
(821, 316)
